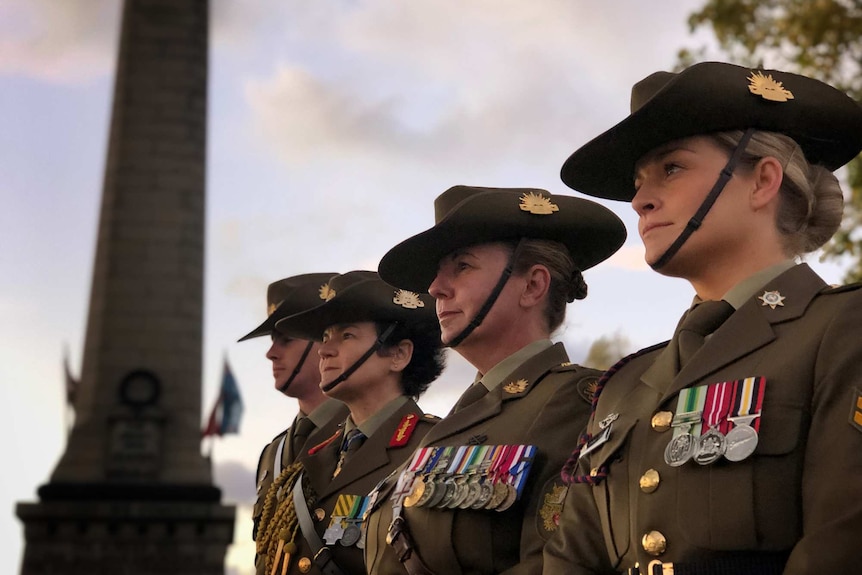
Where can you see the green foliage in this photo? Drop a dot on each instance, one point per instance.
(607, 350)
(818, 38)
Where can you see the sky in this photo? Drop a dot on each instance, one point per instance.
(332, 126)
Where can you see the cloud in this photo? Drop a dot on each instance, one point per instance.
(236, 481)
(629, 257)
(67, 42)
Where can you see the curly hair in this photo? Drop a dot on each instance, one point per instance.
(429, 356)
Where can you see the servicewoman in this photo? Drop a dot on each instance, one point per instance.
(295, 373)
(483, 493)
(380, 350)
(737, 447)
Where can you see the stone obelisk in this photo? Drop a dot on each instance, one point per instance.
(132, 493)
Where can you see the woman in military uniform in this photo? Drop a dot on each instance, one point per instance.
(737, 447)
(379, 351)
(481, 495)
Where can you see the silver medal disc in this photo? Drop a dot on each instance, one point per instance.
(710, 447)
(741, 442)
(680, 449)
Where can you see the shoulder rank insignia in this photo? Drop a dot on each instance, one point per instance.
(538, 204)
(404, 430)
(856, 411)
(516, 386)
(553, 497)
(772, 299)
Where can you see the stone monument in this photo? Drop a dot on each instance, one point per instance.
(132, 493)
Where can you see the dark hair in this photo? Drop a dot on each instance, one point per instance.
(567, 282)
(429, 356)
(810, 202)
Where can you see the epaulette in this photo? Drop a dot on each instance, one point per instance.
(835, 288)
(566, 366)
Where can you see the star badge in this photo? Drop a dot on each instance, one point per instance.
(768, 88)
(772, 299)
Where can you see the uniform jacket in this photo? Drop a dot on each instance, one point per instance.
(800, 493)
(549, 413)
(267, 467)
(375, 459)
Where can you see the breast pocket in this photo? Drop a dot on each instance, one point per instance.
(736, 505)
(612, 494)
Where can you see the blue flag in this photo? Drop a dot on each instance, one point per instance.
(227, 411)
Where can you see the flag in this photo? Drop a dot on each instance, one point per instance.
(227, 411)
(71, 383)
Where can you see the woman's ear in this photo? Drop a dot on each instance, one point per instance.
(768, 175)
(538, 280)
(402, 353)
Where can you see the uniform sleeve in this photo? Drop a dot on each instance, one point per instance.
(263, 462)
(832, 473)
(576, 548)
(555, 432)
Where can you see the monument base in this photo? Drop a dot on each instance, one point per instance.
(79, 529)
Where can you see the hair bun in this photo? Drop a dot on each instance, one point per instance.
(577, 287)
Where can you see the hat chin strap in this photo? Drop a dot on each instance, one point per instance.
(492, 298)
(695, 222)
(296, 369)
(381, 339)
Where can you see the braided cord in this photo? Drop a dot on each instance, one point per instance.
(278, 521)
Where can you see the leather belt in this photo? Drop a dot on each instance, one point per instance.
(322, 554)
(744, 564)
(398, 537)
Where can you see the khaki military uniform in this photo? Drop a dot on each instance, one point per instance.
(799, 495)
(548, 410)
(376, 458)
(282, 450)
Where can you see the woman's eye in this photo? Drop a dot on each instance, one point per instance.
(671, 168)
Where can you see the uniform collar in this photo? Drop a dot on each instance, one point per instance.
(496, 374)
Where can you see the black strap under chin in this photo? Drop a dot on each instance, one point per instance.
(297, 368)
(492, 297)
(695, 222)
(381, 339)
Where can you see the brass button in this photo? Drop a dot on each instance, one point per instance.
(649, 481)
(320, 514)
(654, 543)
(594, 471)
(304, 565)
(661, 420)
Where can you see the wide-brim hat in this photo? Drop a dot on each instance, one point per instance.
(717, 97)
(288, 297)
(360, 296)
(466, 216)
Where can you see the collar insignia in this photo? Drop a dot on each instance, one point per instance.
(768, 88)
(407, 299)
(772, 299)
(326, 292)
(538, 204)
(516, 386)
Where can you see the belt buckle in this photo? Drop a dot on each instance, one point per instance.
(666, 568)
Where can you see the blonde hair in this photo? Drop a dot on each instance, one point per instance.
(810, 203)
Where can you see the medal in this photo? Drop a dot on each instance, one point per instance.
(747, 404)
(511, 497)
(686, 426)
(712, 444)
(334, 532)
(351, 535)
